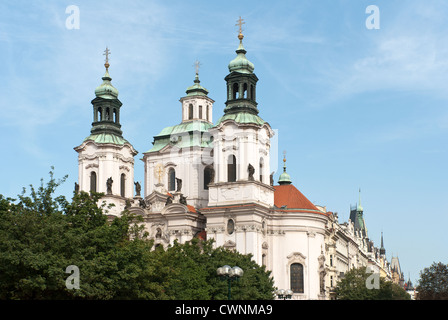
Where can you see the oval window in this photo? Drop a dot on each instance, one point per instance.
(230, 226)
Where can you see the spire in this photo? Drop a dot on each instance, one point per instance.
(196, 88)
(359, 203)
(284, 177)
(382, 249)
(106, 105)
(240, 63)
(106, 90)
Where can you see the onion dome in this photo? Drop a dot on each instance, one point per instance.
(241, 63)
(106, 90)
(196, 89)
(284, 177)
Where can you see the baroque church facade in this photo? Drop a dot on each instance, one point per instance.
(213, 180)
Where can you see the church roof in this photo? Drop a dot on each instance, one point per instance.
(242, 117)
(288, 197)
(181, 136)
(107, 138)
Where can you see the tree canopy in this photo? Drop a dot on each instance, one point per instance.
(353, 287)
(41, 235)
(433, 282)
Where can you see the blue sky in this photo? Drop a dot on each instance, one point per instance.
(354, 108)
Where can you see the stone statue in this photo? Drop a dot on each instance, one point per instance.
(109, 185)
(169, 200)
(142, 203)
(76, 187)
(138, 188)
(179, 184)
(251, 170)
(183, 200)
(127, 205)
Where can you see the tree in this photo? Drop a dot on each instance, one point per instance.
(353, 287)
(433, 283)
(41, 235)
(194, 266)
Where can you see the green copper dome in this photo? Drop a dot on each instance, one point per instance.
(196, 88)
(284, 177)
(106, 90)
(241, 63)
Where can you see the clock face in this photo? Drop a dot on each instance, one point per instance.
(230, 226)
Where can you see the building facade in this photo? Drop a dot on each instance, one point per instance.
(213, 180)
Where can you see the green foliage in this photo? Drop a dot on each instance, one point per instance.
(41, 235)
(433, 282)
(353, 287)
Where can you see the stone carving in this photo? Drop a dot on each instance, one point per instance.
(251, 170)
(109, 185)
(142, 203)
(169, 200)
(138, 188)
(76, 187)
(179, 184)
(182, 199)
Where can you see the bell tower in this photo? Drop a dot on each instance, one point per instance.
(105, 158)
(241, 140)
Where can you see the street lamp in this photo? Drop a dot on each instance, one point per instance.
(229, 274)
(284, 294)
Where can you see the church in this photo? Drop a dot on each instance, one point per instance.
(213, 180)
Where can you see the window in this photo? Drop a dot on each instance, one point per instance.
(261, 169)
(200, 112)
(208, 172)
(115, 116)
(206, 113)
(296, 271)
(235, 91)
(245, 91)
(190, 112)
(122, 184)
(331, 260)
(171, 179)
(230, 226)
(263, 259)
(100, 114)
(231, 169)
(252, 92)
(93, 181)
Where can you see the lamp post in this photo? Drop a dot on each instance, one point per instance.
(229, 274)
(284, 294)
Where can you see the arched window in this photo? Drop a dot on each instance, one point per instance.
(245, 91)
(107, 114)
(115, 116)
(200, 112)
(263, 259)
(208, 172)
(190, 112)
(261, 169)
(122, 184)
(235, 91)
(100, 114)
(252, 92)
(231, 168)
(93, 181)
(206, 113)
(171, 179)
(296, 272)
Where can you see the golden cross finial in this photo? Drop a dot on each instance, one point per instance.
(196, 66)
(240, 24)
(106, 53)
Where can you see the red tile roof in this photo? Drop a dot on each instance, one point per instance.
(191, 208)
(288, 195)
